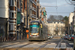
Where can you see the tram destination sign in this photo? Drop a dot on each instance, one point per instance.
(34, 23)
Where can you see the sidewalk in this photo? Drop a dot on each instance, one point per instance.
(2, 43)
(57, 37)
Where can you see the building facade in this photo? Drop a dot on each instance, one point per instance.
(4, 16)
(43, 14)
(31, 11)
(71, 23)
(38, 10)
(12, 19)
(71, 18)
(56, 28)
(15, 17)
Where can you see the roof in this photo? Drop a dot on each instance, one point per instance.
(55, 21)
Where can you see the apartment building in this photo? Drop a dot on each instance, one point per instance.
(71, 18)
(4, 15)
(71, 22)
(23, 19)
(16, 15)
(43, 14)
(54, 26)
(31, 11)
(12, 18)
(38, 10)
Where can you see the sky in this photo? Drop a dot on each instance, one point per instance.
(57, 7)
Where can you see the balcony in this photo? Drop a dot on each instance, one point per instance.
(12, 20)
(33, 16)
(32, 8)
(33, 2)
(12, 32)
(12, 8)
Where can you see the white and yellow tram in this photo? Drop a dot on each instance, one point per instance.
(38, 31)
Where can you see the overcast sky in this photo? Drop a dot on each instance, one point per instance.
(63, 8)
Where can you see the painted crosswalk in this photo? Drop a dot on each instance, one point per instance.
(52, 45)
(35, 45)
(63, 45)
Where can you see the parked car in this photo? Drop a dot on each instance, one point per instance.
(71, 37)
(50, 36)
(66, 37)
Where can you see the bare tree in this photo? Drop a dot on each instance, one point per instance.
(63, 30)
(55, 18)
(56, 30)
(60, 17)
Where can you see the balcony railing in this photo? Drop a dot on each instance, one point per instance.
(33, 16)
(12, 20)
(33, 2)
(32, 8)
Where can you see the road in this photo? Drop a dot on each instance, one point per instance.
(50, 43)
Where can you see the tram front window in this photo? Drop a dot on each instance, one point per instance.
(34, 28)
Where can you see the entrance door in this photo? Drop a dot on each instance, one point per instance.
(2, 34)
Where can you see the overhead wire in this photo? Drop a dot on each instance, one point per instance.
(57, 7)
(68, 2)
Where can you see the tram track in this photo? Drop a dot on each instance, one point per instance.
(62, 41)
(58, 44)
(41, 47)
(49, 42)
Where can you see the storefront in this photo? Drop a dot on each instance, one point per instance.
(3, 29)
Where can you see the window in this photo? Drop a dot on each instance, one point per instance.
(12, 14)
(11, 27)
(12, 2)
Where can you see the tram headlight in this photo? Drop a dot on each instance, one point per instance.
(30, 33)
(38, 34)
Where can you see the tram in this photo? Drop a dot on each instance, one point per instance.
(38, 30)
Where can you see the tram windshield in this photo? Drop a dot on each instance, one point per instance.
(34, 28)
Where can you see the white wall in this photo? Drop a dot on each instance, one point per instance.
(4, 13)
(52, 27)
(71, 18)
